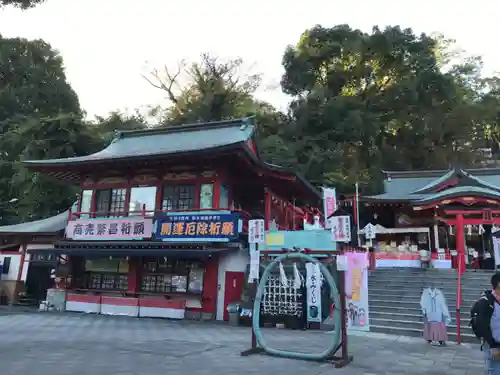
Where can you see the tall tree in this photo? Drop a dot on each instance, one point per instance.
(40, 117)
(363, 102)
(209, 90)
(23, 4)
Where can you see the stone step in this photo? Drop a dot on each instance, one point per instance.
(452, 336)
(394, 303)
(407, 324)
(377, 290)
(410, 317)
(395, 309)
(466, 288)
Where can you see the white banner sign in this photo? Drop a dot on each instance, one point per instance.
(370, 231)
(256, 232)
(313, 286)
(329, 203)
(341, 228)
(254, 263)
(496, 250)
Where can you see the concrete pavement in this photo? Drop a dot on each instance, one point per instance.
(58, 344)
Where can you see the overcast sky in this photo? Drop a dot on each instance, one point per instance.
(108, 44)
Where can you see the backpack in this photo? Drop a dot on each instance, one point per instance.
(480, 319)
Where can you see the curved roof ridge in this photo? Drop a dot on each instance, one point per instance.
(468, 190)
(436, 182)
(481, 181)
(186, 127)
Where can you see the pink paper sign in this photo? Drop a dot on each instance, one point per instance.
(105, 229)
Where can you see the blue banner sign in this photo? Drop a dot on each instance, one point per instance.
(198, 227)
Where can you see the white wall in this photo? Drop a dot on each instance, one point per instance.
(15, 260)
(233, 262)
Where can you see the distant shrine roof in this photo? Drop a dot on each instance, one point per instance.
(51, 225)
(425, 187)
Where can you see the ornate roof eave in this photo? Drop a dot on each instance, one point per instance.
(449, 175)
(460, 194)
(75, 172)
(282, 173)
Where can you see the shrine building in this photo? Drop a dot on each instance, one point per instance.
(442, 211)
(160, 228)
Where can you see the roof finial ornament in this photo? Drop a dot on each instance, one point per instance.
(245, 122)
(116, 135)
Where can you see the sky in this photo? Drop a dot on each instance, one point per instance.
(108, 45)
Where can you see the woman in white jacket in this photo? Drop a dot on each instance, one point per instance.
(436, 315)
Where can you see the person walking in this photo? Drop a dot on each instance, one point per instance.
(485, 323)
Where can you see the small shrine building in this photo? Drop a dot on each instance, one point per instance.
(443, 211)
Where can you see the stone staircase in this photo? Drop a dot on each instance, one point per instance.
(394, 299)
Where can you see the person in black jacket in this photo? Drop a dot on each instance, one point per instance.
(486, 324)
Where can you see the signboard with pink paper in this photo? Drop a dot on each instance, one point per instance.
(356, 290)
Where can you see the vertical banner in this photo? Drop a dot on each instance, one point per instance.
(356, 290)
(496, 250)
(329, 204)
(313, 286)
(256, 235)
(341, 228)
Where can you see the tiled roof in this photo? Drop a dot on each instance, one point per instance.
(52, 224)
(418, 186)
(459, 191)
(165, 141)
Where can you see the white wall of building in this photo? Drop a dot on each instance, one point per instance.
(15, 262)
(233, 262)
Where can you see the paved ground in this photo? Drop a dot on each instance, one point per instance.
(73, 344)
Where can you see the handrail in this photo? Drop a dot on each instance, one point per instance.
(459, 297)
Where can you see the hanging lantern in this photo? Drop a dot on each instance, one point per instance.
(469, 230)
(451, 230)
(481, 230)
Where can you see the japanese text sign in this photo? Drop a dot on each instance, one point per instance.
(105, 229)
(370, 231)
(196, 227)
(341, 228)
(329, 203)
(256, 232)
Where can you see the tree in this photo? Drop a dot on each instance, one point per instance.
(23, 4)
(36, 138)
(32, 80)
(363, 102)
(40, 118)
(214, 89)
(105, 127)
(208, 90)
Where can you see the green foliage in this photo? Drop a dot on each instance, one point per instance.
(363, 102)
(23, 4)
(213, 90)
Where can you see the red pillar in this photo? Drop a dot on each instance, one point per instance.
(22, 248)
(460, 239)
(216, 195)
(267, 209)
(134, 274)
